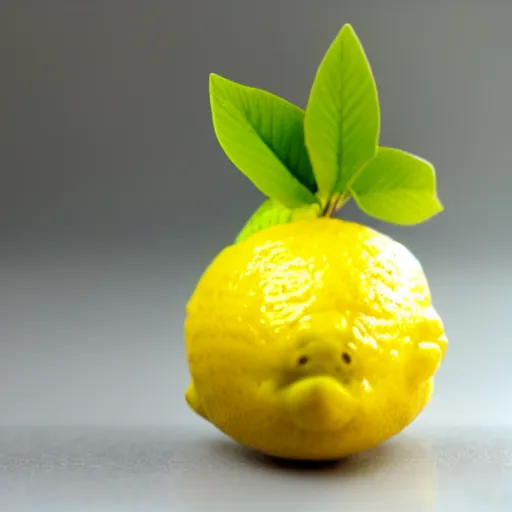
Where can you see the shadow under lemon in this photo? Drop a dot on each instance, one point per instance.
(401, 472)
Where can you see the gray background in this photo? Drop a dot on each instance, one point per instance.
(115, 194)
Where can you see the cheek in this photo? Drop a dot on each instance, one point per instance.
(378, 372)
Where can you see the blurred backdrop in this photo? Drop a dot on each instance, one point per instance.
(115, 194)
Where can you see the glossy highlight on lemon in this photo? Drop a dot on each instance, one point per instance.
(314, 340)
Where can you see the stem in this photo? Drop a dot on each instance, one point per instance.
(330, 207)
(335, 203)
(343, 200)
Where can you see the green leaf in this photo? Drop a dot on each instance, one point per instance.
(342, 122)
(268, 214)
(272, 213)
(397, 187)
(263, 137)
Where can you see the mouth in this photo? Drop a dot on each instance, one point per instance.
(335, 373)
(320, 403)
(328, 383)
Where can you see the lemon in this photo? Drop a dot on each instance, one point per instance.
(314, 340)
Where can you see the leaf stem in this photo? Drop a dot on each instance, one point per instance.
(330, 207)
(335, 203)
(342, 201)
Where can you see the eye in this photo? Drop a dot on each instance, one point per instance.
(303, 360)
(346, 357)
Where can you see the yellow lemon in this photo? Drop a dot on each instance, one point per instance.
(314, 340)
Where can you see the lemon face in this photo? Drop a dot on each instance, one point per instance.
(315, 339)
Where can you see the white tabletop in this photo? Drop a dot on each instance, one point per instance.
(198, 469)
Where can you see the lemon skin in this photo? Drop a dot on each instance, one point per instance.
(313, 340)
